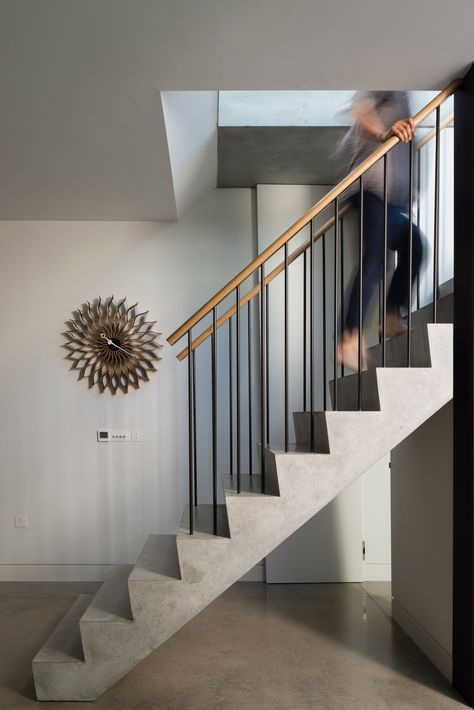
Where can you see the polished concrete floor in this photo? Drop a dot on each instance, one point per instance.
(257, 647)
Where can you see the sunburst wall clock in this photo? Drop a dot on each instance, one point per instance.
(111, 345)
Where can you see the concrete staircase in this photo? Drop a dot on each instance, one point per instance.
(139, 606)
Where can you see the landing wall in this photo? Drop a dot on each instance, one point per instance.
(422, 499)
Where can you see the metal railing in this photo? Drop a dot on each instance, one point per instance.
(257, 372)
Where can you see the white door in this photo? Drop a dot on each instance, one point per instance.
(376, 522)
(328, 548)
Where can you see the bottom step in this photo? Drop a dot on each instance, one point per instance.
(65, 643)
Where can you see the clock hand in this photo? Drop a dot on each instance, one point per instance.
(123, 350)
(111, 342)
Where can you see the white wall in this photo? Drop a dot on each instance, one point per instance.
(446, 212)
(421, 485)
(284, 108)
(422, 510)
(299, 108)
(191, 130)
(92, 505)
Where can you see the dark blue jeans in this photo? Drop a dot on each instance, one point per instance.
(372, 261)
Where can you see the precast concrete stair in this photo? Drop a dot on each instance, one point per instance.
(138, 607)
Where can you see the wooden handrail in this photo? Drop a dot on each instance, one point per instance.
(307, 217)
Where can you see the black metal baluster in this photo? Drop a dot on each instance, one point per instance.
(311, 334)
(336, 287)
(305, 318)
(418, 214)
(249, 361)
(267, 361)
(436, 222)
(385, 240)
(190, 434)
(361, 279)
(237, 338)
(325, 375)
(231, 405)
(214, 420)
(285, 251)
(193, 356)
(410, 251)
(262, 375)
(341, 229)
(380, 312)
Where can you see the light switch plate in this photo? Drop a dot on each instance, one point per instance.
(119, 435)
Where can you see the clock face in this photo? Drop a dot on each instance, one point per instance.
(111, 345)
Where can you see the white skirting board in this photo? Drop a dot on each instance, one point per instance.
(54, 573)
(256, 574)
(85, 573)
(377, 572)
(430, 647)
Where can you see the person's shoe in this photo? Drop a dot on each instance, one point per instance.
(394, 326)
(348, 351)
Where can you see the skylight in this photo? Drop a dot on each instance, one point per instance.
(298, 108)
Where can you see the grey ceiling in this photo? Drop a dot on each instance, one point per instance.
(82, 134)
(288, 155)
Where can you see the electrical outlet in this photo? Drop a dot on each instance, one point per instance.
(21, 520)
(137, 435)
(119, 435)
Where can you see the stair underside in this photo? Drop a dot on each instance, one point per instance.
(177, 576)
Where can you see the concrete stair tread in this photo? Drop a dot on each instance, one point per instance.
(203, 523)
(299, 447)
(250, 486)
(112, 601)
(65, 643)
(158, 560)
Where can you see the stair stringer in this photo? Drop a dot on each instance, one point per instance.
(258, 524)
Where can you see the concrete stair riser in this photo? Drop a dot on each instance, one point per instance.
(396, 350)
(302, 422)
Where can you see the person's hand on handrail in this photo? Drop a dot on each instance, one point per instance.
(369, 120)
(403, 129)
